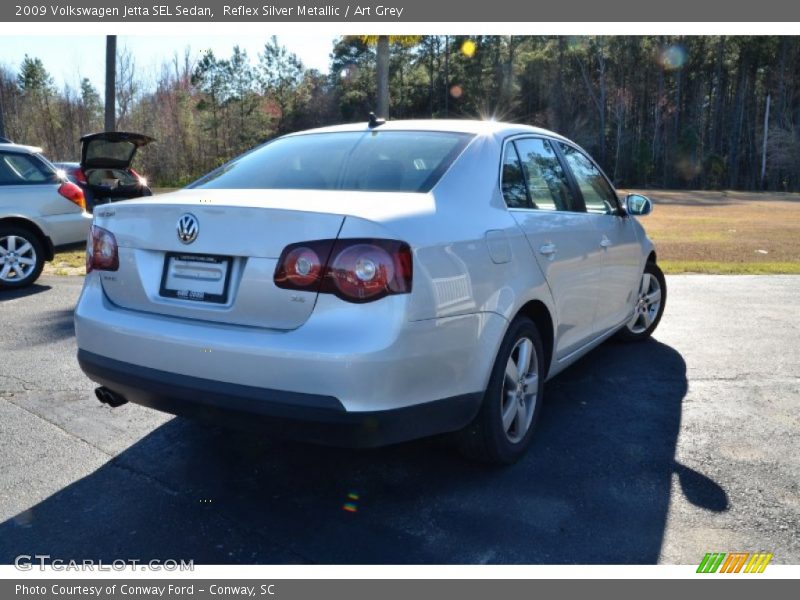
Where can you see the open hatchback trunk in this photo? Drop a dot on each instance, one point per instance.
(106, 159)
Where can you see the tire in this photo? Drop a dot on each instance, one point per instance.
(649, 307)
(21, 257)
(490, 438)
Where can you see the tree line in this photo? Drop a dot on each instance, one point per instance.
(702, 112)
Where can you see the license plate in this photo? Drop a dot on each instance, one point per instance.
(196, 277)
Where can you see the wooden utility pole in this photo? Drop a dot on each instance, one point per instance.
(383, 76)
(447, 76)
(2, 121)
(764, 147)
(111, 83)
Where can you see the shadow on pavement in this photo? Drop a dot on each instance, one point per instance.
(594, 488)
(54, 326)
(31, 290)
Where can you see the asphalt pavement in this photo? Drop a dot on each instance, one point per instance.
(650, 453)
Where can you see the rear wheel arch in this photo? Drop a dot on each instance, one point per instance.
(503, 427)
(649, 307)
(538, 312)
(651, 258)
(45, 240)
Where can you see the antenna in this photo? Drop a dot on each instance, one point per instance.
(374, 121)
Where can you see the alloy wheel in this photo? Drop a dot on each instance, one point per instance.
(647, 304)
(520, 390)
(17, 258)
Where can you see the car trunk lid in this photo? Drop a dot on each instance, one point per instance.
(111, 149)
(212, 256)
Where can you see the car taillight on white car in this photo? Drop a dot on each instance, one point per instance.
(73, 193)
(102, 253)
(355, 270)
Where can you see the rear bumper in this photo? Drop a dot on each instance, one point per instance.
(308, 417)
(369, 357)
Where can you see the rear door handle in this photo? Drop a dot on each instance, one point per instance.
(548, 249)
(605, 242)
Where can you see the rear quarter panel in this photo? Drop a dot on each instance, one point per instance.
(58, 218)
(455, 272)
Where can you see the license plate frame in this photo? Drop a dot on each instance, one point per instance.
(198, 263)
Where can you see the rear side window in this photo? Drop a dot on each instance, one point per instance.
(598, 195)
(547, 183)
(377, 161)
(21, 169)
(514, 189)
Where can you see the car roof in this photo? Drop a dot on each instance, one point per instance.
(473, 126)
(22, 149)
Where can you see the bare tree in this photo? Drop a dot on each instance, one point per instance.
(128, 85)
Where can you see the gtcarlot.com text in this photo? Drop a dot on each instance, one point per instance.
(28, 562)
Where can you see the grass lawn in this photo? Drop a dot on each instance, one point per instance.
(694, 232)
(67, 262)
(725, 232)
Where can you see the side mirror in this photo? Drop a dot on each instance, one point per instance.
(638, 205)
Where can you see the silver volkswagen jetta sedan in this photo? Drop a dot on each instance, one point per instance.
(370, 283)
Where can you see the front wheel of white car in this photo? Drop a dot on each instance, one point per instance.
(503, 429)
(650, 302)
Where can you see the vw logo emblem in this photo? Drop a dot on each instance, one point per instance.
(188, 228)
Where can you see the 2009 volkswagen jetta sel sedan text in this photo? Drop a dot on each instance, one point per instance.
(370, 283)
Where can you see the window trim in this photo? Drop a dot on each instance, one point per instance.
(528, 198)
(581, 206)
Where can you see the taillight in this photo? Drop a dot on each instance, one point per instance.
(142, 180)
(300, 266)
(102, 253)
(73, 193)
(356, 270)
(80, 176)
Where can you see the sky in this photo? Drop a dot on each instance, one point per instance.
(70, 58)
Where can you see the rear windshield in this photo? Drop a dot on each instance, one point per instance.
(378, 161)
(108, 150)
